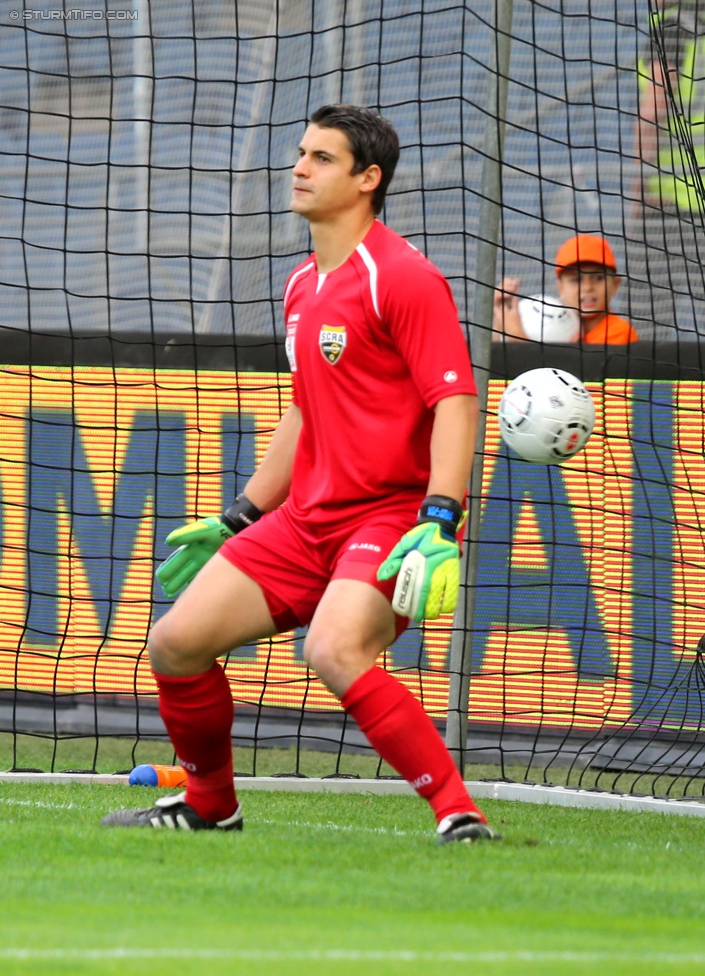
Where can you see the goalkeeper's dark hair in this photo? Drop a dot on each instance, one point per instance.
(373, 141)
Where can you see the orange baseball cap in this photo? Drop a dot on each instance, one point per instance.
(585, 247)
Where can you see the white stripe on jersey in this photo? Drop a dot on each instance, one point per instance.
(296, 274)
(372, 268)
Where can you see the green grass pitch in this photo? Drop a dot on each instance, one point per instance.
(345, 884)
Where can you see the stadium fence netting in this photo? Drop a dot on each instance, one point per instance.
(144, 172)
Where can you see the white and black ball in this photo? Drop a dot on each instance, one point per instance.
(546, 415)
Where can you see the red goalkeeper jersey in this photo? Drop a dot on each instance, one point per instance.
(372, 346)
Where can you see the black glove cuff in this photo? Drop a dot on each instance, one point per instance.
(241, 514)
(443, 510)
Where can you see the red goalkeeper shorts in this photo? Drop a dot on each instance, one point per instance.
(293, 563)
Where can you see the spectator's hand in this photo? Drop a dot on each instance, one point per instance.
(505, 317)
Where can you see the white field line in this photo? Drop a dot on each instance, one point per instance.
(11, 801)
(354, 828)
(304, 824)
(328, 825)
(352, 955)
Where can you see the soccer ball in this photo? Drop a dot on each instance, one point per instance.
(546, 415)
(546, 319)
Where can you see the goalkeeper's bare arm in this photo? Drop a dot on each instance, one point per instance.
(201, 626)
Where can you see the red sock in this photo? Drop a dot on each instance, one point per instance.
(198, 714)
(402, 733)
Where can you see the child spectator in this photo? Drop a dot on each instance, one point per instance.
(587, 279)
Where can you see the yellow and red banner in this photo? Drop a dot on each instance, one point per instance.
(589, 592)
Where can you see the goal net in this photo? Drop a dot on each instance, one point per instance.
(145, 164)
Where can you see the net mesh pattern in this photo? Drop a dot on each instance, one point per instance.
(145, 168)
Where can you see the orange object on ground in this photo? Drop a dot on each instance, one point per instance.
(154, 775)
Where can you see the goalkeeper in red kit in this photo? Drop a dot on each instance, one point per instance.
(350, 522)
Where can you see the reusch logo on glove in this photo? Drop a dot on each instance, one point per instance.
(332, 340)
(406, 593)
(407, 578)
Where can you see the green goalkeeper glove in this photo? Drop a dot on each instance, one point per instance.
(197, 542)
(427, 561)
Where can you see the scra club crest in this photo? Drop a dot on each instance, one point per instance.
(331, 341)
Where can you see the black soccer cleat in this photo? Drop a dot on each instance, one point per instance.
(172, 812)
(464, 828)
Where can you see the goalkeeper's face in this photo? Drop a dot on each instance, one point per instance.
(324, 185)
